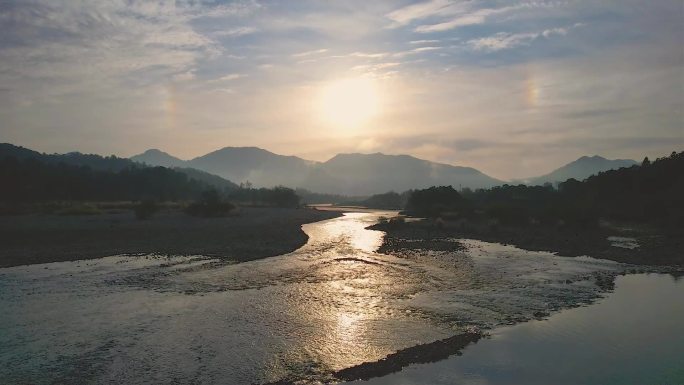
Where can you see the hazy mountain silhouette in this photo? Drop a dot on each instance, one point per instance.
(112, 163)
(260, 167)
(348, 174)
(156, 157)
(581, 169)
(215, 181)
(364, 174)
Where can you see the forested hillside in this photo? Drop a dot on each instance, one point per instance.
(652, 192)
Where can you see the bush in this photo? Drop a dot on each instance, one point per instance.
(79, 209)
(145, 209)
(396, 221)
(211, 205)
(435, 201)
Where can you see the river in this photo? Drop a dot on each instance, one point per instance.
(330, 305)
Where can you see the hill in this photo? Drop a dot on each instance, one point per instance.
(581, 169)
(260, 167)
(32, 176)
(154, 157)
(344, 174)
(366, 174)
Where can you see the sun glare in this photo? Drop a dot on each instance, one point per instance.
(349, 103)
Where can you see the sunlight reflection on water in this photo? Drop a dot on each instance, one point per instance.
(633, 336)
(332, 304)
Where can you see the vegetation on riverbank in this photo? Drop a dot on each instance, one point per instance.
(77, 183)
(652, 193)
(644, 202)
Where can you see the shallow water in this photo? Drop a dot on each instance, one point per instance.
(634, 336)
(332, 304)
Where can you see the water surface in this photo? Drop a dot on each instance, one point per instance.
(633, 336)
(330, 305)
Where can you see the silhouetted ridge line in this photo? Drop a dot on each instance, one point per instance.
(351, 174)
(581, 169)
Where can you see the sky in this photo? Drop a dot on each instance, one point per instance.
(512, 88)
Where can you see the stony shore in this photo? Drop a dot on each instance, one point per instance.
(251, 233)
(654, 248)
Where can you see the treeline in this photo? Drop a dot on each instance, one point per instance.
(387, 201)
(28, 176)
(652, 192)
(31, 180)
(277, 196)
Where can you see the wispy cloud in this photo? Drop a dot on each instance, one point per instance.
(476, 17)
(503, 40)
(230, 77)
(465, 17)
(233, 32)
(416, 42)
(406, 15)
(375, 67)
(310, 53)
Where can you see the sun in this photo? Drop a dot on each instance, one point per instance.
(349, 103)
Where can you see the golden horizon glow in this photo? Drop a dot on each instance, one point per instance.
(348, 104)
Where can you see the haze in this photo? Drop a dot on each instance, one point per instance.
(512, 88)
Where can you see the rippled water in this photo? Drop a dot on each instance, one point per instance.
(634, 336)
(332, 304)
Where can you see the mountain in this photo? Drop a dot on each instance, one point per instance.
(260, 167)
(344, 174)
(30, 176)
(95, 162)
(215, 181)
(154, 157)
(112, 163)
(366, 174)
(581, 169)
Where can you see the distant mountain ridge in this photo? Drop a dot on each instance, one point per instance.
(155, 157)
(581, 169)
(113, 163)
(399, 173)
(348, 174)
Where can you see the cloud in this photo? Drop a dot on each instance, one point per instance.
(225, 90)
(235, 8)
(185, 76)
(103, 70)
(230, 77)
(310, 53)
(378, 69)
(503, 40)
(51, 49)
(424, 49)
(423, 42)
(480, 16)
(422, 10)
(234, 32)
(364, 55)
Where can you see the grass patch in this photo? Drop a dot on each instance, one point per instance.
(80, 209)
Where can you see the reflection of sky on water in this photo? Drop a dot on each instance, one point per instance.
(332, 304)
(631, 337)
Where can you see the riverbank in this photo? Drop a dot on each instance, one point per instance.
(250, 234)
(660, 249)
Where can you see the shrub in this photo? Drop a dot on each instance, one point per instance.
(211, 205)
(145, 209)
(396, 221)
(79, 209)
(435, 201)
